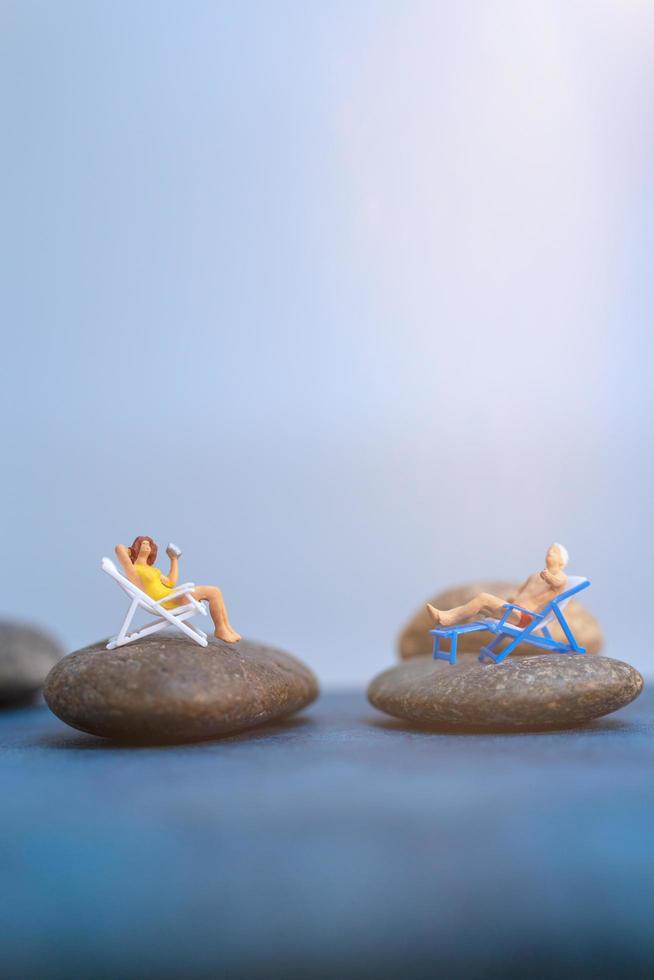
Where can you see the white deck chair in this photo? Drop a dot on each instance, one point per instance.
(163, 617)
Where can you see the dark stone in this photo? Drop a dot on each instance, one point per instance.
(26, 655)
(168, 689)
(415, 640)
(523, 693)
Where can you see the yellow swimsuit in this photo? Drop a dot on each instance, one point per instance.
(152, 585)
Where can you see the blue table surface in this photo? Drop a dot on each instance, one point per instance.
(338, 843)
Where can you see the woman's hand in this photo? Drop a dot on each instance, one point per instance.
(172, 551)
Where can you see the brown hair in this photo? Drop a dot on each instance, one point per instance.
(136, 547)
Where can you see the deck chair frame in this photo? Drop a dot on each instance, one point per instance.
(536, 633)
(177, 617)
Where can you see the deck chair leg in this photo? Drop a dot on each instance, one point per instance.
(179, 623)
(499, 657)
(441, 654)
(574, 646)
(194, 635)
(128, 618)
(454, 640)
(117, 640)
(527, 631)
(489, 649)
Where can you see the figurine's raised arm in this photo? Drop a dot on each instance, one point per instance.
(173, 574)
(123, 556)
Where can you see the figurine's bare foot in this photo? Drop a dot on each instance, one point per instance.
(434, 613)
(442, 617)
(227, 635)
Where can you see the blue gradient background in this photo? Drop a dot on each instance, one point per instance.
(352, 301)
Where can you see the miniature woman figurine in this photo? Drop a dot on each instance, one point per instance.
(539, 589)
(138, 565)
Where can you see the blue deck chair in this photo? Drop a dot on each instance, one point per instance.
(536, 633)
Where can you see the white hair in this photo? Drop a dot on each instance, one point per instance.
(563, 551)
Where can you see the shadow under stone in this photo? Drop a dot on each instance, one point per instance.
(272, 731)
(599, 726)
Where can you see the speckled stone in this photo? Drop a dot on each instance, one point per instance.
(415, 641)
(167, 689)
(26, 655)
(523, 693)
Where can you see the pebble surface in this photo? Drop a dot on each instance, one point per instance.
(168, 689)
(522, 693)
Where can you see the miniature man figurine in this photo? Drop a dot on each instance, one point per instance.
(138, 564)
(539, 589)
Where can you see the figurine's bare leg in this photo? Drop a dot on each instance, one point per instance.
(213, 595)
(485, 601)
